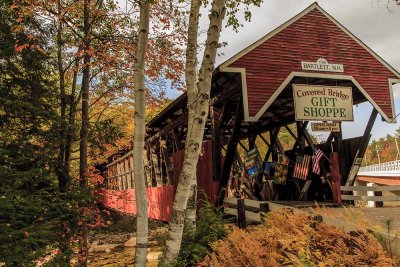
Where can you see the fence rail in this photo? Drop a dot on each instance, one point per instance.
(387, 166)
(383, 188)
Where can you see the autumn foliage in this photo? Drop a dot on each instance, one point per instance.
(296, 240)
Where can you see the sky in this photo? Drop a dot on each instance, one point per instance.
(372, 21)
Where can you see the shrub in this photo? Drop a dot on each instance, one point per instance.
(209, 228)
(287, 239)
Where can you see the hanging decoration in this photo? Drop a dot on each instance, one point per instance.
(301, 167)
(281, 171)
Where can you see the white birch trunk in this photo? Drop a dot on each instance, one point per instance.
(192, 90)
(198, 106)
(138, 143)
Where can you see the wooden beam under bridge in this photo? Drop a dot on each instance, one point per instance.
(230, 154)
(361, 151)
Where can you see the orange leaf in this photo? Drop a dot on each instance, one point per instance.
(19, 48)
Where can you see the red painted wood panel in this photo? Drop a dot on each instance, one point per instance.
(207, 188)
(335, 170)
(311, 37)
(159, 199)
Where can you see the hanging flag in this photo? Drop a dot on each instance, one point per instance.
(281, 171)
(268, 170)
(301, 167)
(318, 154)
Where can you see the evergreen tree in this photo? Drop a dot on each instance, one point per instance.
(31, 209)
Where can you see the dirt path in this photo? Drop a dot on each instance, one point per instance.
(380, 215)
(373, 216)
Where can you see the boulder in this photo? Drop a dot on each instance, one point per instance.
(154, 255)
(131, 242)
(103, 248)
(94, 244)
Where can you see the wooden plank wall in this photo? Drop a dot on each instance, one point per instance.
(159, 199)
(207, 188)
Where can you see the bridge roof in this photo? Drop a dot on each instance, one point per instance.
(272, 64)
(269, 65)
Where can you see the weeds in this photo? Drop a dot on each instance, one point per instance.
(209, 228)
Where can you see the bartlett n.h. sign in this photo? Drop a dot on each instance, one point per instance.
(322, 65)
(322, 103)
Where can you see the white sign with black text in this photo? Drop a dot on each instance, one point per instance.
(325, 127)
(322, 103)
(322, 65)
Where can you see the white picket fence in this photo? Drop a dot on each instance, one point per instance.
(391, 168)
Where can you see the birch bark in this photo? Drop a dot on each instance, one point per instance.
(138, 143)
(198, 108)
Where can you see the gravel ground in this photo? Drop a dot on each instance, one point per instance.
(380, 215)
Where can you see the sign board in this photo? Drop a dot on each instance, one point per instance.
(325, 127)
(322, 103)
(322, 65)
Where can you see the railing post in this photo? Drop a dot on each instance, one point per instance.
(241, 214)
(335, 172)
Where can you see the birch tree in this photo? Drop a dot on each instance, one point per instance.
(198, 93)
(138, 145)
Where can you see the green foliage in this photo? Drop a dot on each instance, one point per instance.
(236, 6)
(383, 149)
(34, 216)
(210, 227)
(101, 133)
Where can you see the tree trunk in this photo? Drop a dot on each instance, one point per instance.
(85, 97)
(192, 90)
(61, 172)
(71, 121)
(198, 113)
(140, 131)
(83, 170)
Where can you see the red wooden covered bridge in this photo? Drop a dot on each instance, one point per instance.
(311, 68)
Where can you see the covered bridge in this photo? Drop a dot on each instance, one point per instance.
(311, 68)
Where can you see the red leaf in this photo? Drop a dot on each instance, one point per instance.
(19, 48)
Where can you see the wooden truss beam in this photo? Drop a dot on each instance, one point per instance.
(230, 153)
(361, 151)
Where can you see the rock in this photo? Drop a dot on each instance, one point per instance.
(131, 242)
(106, 248)
(153, 256)
(94, 244)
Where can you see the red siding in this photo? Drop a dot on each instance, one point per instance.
(207, 188)
(311, 37)
(159, 200)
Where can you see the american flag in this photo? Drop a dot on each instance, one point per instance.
(318, 154)
(301, 167)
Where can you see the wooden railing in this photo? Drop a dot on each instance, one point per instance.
(245, 210)
(395, 189)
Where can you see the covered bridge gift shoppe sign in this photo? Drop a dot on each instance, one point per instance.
(322, 103)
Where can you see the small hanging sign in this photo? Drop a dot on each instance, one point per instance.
(325, 127)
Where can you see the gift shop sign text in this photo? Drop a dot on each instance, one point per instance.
(322, 103)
